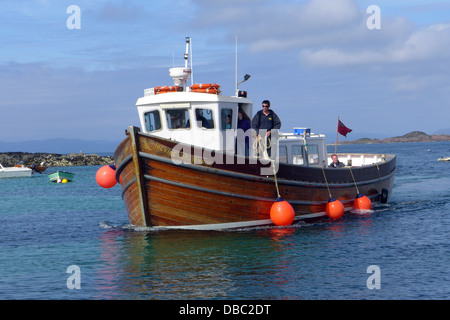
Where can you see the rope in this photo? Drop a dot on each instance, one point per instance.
(275, 177)
(326, 182)
(261, 145)
(357, 191)
(379, 174)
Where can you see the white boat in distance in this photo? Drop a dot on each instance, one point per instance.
(14, 172)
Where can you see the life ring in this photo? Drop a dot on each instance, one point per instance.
(205, 86)
(165, 89)
(211, 88)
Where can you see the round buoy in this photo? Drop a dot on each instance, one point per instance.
(334, 209)
(282, 213)
(362, 203)
(106, 176)
(64, 181)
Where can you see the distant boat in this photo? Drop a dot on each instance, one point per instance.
(39, 168)
(59, 176)
(36, 168)
(444, 159)
(14, 172)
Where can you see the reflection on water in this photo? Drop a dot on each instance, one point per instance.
(266, 263)
(193, 265)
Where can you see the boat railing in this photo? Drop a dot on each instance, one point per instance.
(359, 160)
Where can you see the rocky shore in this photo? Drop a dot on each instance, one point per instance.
(9, 159)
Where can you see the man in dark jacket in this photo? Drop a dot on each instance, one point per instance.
(266, 119)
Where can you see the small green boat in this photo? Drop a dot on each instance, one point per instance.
(61, 176)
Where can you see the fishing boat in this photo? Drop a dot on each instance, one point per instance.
(178, 173)
(14, 172)
(60, 176)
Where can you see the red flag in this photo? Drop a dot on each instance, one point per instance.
(342, 129)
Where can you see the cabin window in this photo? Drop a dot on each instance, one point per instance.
(204, 118)
(313, 154)
(282, 154)
(178, 118)
(226, 117)
(297, 155)
(152, 121)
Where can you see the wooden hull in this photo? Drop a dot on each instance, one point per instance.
(205, 195)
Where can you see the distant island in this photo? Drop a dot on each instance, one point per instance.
(414, 136)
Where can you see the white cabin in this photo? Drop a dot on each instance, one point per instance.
(170, 115)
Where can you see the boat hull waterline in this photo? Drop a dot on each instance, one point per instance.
(207, 196)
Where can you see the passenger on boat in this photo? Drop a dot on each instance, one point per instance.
(228, 126)
(200, 118)
(244, 124)
(266, 119)
(336, 163)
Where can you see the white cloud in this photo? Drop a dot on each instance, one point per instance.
(425, 44)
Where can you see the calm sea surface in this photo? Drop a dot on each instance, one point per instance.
(54, 237)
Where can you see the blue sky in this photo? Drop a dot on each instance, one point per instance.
(314, 59)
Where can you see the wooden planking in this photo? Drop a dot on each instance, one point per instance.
(223, 207)
(172, 205)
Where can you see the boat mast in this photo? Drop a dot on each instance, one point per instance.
(186, 57)
(180, 75)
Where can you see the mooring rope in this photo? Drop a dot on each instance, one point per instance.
(357, 191)
(260, 145)
(326, 182)
(272, 163)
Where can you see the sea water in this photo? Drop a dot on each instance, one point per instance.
(74, 241)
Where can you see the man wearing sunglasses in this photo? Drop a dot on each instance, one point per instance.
(266, 120)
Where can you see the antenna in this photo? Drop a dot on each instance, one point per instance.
(186, 55)
(192, 69)
(236, 82)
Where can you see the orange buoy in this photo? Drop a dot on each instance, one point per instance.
(334, 209)
(362, 203)
(282, 213)
(106, 176)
